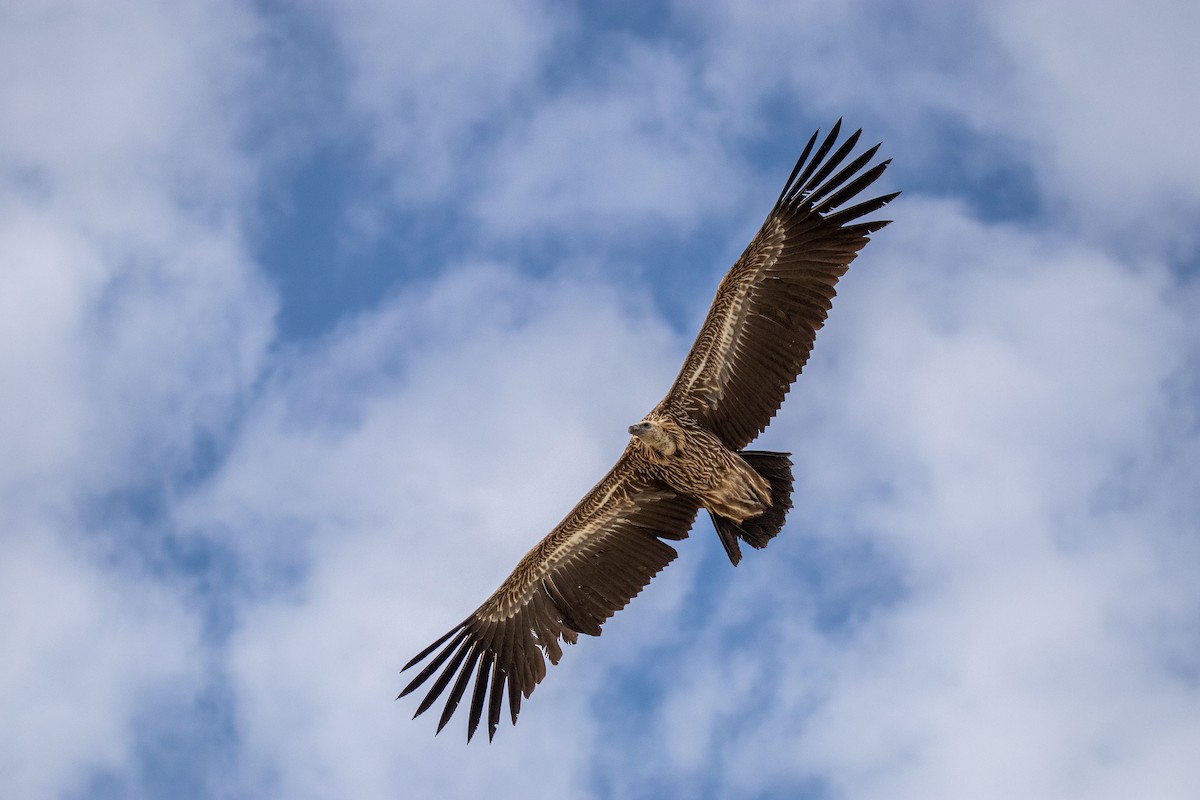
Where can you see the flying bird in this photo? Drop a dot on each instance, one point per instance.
(686, 454)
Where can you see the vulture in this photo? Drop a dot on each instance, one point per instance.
(686, 454)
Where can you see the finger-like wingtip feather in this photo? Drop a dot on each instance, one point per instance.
(478, 696)
(432, 666)
(830, 164)
(419, 657)
(443, 680)
(862, 209)
(803, 180)
(800, 162)
(495, 699)
(460, 685)
(854, 187)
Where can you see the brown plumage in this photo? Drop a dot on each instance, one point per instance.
(685, 455)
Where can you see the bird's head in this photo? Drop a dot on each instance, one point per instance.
(657, 436)
(642, 429)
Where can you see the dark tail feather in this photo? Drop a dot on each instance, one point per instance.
(759, 531)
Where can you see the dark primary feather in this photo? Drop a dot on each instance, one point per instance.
(592, 564)
(760, 330)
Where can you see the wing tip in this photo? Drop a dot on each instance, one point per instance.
(807, 184)
(421, 656)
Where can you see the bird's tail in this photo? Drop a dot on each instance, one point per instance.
(760, 530)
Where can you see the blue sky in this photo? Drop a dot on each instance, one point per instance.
(318, 316)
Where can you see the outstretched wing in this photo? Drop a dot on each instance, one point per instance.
(592, 564)
(768, 308)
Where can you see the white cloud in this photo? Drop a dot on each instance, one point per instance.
(83, 650)
(426, 84)
(133, 322)
(116, 102)
(1117, 125)
(634, 150)
(129, 285)
(902, 70)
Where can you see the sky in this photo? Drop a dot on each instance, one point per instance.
(317, 316)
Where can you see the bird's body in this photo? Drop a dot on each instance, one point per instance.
(686, 454)
(675, 449)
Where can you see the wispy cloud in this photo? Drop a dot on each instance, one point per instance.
(426, 85)
(134, 322)
(84, 648)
